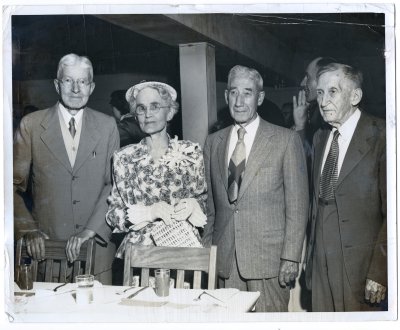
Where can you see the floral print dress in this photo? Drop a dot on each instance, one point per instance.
(138, 179)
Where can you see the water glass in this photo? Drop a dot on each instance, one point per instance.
(25, 281)
(162, 277)
(84, 289)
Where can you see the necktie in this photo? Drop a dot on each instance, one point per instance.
(330, 172)
(236, 166)
(72, 129)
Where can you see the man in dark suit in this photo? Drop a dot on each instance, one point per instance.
(346, 256)
(67, 149)
(257, 197)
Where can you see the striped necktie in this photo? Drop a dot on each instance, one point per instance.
(329, 175)
(72, 129)
(236, 166)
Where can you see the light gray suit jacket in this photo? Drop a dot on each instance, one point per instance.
(267, 222)
(65, 199)
(361, 203)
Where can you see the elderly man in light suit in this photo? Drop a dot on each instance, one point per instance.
(257, 197)
(346, 264)
(67, 149)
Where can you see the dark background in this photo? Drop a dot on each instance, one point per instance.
(126, 49)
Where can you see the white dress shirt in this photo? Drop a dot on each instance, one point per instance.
(251, 130)
(71, 143)
(346, 132)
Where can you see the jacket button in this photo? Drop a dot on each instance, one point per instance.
(236, 211)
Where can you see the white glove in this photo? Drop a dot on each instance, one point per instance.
(140, 215)
(189, 209)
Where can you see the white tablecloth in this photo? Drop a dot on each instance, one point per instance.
(108, 306)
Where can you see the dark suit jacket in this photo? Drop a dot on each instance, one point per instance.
(65, 199)
(361, 203)
(268, 220)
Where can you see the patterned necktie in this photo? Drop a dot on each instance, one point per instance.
(72, 129)
(330, 172)
(236, 166)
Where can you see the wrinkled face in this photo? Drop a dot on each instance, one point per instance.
(337, 97)
(309, 82)
(152, 121)
(75, 86)
(243, 99)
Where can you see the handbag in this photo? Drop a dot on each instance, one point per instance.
(178, 234)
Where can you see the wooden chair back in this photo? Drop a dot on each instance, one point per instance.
(178, 258)
(56, 265)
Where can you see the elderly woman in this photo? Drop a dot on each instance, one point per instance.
(158, 182)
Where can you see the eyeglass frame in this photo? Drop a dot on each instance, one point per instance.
(156, 108)
(80, 82)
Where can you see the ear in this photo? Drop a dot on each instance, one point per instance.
(57, 85)
(226, 96)
(92, 86)
(260, 99)
(170, 114)
(356, 96)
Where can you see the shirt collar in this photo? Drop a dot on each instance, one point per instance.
(251, 128)
(67, 116)
(349, 126)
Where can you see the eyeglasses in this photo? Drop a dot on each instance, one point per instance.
(154, 108)
(70, 82)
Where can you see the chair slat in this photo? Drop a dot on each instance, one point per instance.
(197, 280)
(76, 270)
(48, 277)
(63, 271)
(180, 278)
(144, 281)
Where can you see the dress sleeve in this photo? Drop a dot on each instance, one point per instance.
(200, 190)
(116, 213)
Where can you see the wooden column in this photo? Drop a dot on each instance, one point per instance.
(198, 90)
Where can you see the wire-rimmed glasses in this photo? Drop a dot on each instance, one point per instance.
(154, 108)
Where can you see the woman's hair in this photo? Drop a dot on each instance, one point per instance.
(73, 59)
(164, 93)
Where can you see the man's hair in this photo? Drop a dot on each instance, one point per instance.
(73, 59)
(350, 72)
(239, 70)
(324, 61)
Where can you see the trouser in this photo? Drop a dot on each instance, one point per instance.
(331, 290)
(273, 298)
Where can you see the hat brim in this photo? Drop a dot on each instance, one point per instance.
(134, 90)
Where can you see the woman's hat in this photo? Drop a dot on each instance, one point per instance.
(134, 90)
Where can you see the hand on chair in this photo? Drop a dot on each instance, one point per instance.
(75, 242)
(34, 241)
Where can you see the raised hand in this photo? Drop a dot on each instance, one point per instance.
(300, 106)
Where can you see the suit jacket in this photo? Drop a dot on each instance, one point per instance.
(361, 203)
(65, 200)
(268, 220)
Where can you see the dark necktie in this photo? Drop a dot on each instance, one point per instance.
(329, 175)
(72, 129)
(236, 166)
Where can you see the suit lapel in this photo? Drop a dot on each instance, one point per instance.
(262, 146)
(359, 146)
(222, 156)
(90, 137)
(52, 137)
(319, 148)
